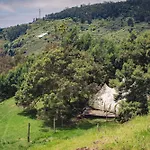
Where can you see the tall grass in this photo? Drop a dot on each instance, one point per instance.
(134, 135)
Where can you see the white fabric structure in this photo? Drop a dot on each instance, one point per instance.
(41, 35)
(104, 100)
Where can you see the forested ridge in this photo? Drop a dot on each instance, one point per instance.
(138, 9)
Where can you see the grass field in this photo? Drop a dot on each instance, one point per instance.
(133, 135)
(13, 127)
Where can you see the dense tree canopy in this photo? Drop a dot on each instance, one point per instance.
(63, 80)
(133, 78)
(138, 9)
(14, 32)
(11, 80)
(60, 81)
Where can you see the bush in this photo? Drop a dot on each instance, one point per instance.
(128, 110)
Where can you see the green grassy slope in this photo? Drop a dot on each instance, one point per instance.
(109, 29)
(134, 135)
(13, 127)
(13, 124)
(32, 43)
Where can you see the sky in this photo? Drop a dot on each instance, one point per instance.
(13, 12)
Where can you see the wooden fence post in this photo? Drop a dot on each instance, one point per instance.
(28, 137)
(62, 121)
(106, 115)
(98, 127)
(54, 124)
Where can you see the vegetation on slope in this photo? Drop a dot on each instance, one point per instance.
(115, 29)
(132, 135)
(62, 78)
(13, 126)
(74, 58)
(11, 81)
(14, 32)
(137, 9)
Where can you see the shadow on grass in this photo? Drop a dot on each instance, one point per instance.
(86, 124)
(83, 124)
(29, 113)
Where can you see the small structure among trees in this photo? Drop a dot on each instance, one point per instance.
(103, 103)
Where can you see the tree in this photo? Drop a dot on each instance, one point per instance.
(84, 42)
(133, 85)
(106, 53)
(133, 78)
(70, 38)
(63, 80)
(130, 22)
(13, 33)
(11, 81)
(136, 9)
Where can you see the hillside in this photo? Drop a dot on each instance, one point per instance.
(13, 126)
(107, 20)
(133, 135)
(51, 68)
(138, 9)
(31, 42)
(13, 133)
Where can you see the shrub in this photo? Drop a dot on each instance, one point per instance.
(128, 110)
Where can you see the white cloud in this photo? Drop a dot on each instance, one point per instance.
(5, 7)
(21, 11)
(47, 4)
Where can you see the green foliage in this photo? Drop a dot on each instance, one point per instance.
(59, 33)
(11, 81)
(133, 78)
(84, 42)
(13, 33)
(128, 110)
(62, 80)
(70, 38)
(130, 22)
(134, 85)
(93, 53)
(106, 53)
(138, 9)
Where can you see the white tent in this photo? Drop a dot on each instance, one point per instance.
(104, 100)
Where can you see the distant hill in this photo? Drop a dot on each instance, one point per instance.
(138, 9)
(105, 20)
